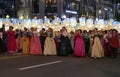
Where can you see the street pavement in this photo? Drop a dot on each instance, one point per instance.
(55, 66)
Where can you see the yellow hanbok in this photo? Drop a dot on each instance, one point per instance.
(50, 47)
(97, 49)
(26, 45)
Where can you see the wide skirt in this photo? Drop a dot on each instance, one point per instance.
(50, 47)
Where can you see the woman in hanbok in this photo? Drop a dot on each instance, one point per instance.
(107, 47)
(57, 41)
(11, 44)
(20, 40)
(43, 35)
(17, 39)
(87, 41)
(97, 49)
(91, 35)
(71, 37)
(114, 42)
(50, 46)
(79, 49)
(65, 45)
(35, 45)
(100, 35)
(25, 42)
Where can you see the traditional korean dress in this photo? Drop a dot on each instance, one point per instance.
(11, 44)
(97, 49)
(50, 46)
(18, 38)
(35, 45)
(114, 42)
(91, 42)
(42, 40)
(71, 37)
(79, 49)
(87, 43)
(25, 44)
(65, 45)
(107, 47)
(57, 42)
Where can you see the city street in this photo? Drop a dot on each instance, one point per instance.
(59, 27)
(54, 66)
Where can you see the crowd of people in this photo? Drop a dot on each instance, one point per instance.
(81, 43)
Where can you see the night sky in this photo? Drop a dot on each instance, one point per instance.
(6, 7)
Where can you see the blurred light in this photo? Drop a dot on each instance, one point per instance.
(12, 6)
(45, 16)
(7, 16)
(106, 9)
(100, 11)
(68, 5)
(96, 19)
(21, 17)
(64, 16)
(35, 17)
(118, 4)
(73, 12)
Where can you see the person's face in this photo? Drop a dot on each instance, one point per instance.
(49, 30)
(110, 31)
(114, 32)
(78, 32)
(25, 29)
(35, 29)
(85, 32)
(10, 28)
(32, 29)
(64, 29)
(43, 30)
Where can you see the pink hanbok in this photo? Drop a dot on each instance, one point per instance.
(35, 46)
(79, 49)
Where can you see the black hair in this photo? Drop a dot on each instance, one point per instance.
(80, 30)
(11, 27)
(43, 29)
(84, 31)
(3, 25)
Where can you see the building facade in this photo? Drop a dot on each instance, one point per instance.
(70, 8)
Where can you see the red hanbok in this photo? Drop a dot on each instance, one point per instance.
(11, 45)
